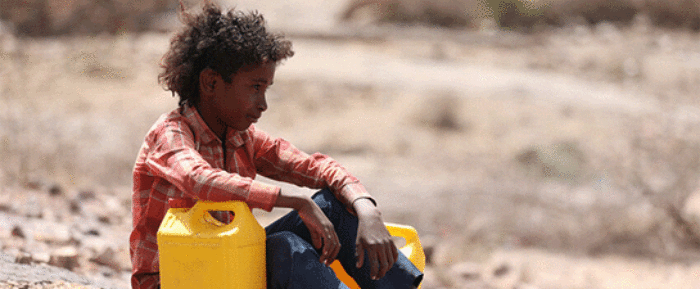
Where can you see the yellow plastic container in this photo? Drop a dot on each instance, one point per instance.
(197, 251)
(413, 250)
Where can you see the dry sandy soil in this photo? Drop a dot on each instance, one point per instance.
(560, 159)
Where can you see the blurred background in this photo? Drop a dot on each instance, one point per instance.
(532, 143)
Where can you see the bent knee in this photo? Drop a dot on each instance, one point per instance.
(286, 243)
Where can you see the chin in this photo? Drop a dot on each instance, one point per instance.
(241, 127)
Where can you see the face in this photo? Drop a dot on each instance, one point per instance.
(239, 103)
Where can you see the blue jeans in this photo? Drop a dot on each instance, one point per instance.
(293, 262)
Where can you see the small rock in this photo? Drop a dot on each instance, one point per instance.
(105, 219)
(503, 274)
(34, 184)
(466, 271)
(55, 190)
(92, 232)
(41, 257)
(75, 207)
(501, 270)
(5, 206)
(23, 258)
(116, 260)
(18, 232)
(52, 233)
(66, 257)
(106, 257)
(86, 195)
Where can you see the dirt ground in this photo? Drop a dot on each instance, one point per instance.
(557, 159)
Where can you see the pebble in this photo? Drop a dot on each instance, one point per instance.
(106, 257)
(65, 257)
(23, 258)
(41, 257)
(466, 271)
(55, 190)
(18, 232)
(75, 207)
(53, 233)
(502, 274)
(86, 195)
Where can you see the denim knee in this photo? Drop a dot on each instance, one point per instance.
(279, 254)
(293, 263)
(282, 246)
(328, 202)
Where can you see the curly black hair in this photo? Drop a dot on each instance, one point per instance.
(223, 42)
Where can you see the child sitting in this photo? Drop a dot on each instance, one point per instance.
(220, 66)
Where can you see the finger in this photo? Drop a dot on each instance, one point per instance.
(395, 252)
(328, 247)
(360, 254)
(392, 254)
(383, 257)
(316, 239)
(381, 263)
(336, 248)
(373, 262)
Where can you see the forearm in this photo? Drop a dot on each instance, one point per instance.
(293, 200)
(198, 180)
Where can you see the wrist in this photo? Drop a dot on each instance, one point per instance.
(365, 207)
(292, 200)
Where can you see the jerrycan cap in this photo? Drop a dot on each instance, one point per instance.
(184, 203)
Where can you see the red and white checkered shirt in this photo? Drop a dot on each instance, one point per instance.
(181, 158)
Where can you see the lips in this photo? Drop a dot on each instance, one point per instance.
(253, 118)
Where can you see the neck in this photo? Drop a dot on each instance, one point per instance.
(214, 124)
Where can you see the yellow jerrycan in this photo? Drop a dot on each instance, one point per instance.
(413, 250)
(198, 251)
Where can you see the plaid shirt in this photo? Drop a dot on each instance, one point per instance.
(181, 158)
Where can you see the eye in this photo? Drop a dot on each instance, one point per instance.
(257, 87)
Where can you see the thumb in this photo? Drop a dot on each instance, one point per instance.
(360, 254)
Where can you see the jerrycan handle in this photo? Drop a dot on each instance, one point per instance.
(239, 208)
(417, 256)
(406, 232)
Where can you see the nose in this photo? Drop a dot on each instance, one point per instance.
(262, 103)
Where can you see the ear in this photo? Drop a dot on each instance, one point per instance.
(208, 82)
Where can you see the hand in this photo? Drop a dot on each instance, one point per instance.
(323, 234)
(373, 237)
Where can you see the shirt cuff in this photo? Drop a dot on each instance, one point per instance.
(263, 196)
(352, 192)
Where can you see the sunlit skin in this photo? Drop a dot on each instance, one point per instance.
(240, 103)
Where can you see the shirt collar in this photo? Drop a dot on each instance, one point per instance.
(235, 138)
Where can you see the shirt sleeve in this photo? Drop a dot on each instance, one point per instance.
(278, 159)
(174, 158)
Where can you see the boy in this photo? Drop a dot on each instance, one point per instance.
(220, 66)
